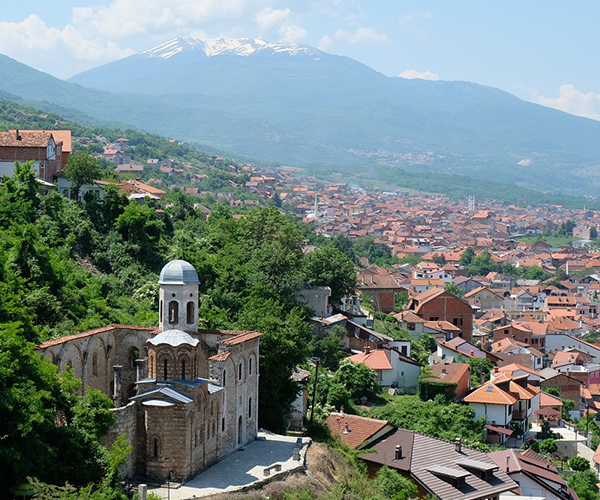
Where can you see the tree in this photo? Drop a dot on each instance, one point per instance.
(467, 256)
(548, 446)
(579, 464)
(92, 413)
(330, 267)
(395, 486)
(479, 367)
(330, 348)
(453, 289)
(439, 259)
(482, 264)
(82, 168)
(358, 379)
(584, 484)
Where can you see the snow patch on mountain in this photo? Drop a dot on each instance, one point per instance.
(226, 46)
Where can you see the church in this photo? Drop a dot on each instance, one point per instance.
(184, 397)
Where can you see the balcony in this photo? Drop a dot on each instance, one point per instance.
(519, 415)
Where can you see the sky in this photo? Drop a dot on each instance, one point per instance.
(544, 51)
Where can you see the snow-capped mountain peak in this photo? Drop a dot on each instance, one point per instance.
(226, 46)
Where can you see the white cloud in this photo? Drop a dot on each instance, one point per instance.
(361, 35)
(292, 33)
(411, 74)
(572, 100)
(414, 15)
(325, 43)
(127, 18)
(270, 18)
(43, 47)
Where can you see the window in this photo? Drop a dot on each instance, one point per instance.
(165, 372)
(224, 377)
(240, 372)
(155, 448)
(250, 366)
(190, 313)
(410, 326)
(173, 312)
(457, 321)
(434, 318)
(183, 369)
(250, 408)
(223, 424)
(160, 311)
(510, 410)
(95, 364)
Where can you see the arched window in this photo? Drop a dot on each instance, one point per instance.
(250, 366)
(250, 408)
(160, 311)
(190, 313)
(165, 372)
(155, 449)
(95, 364)
(224, 377)
(173, 312)
(223, 424)
(183, 369)
(151, 366)
(134, 354)
(240, 372)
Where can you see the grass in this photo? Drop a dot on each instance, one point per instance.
(553, 241)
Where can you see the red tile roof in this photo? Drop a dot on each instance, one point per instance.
(375, 359)
(353, 430)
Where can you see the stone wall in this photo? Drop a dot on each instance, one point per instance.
(125, 423)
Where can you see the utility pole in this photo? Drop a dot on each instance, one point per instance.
(314, 395)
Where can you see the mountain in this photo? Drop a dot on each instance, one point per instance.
(294, 104)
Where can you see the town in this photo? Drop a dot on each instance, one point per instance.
(487, 307)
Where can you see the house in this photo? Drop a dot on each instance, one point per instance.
(413, 323)
(536, 476)
(438, 304)
(455, 375)
(441, 469)
(380, 285)
(568, 387)
(460, 347)
(354, 431)
(393, 368)
(485, 298)
(503, 400)
(130, 168)
(514, 352)
(39, 146)
(532, 333)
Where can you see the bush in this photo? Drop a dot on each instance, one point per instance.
(548, 446)
(579, 464)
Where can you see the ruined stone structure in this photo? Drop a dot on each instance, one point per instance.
(184, 397)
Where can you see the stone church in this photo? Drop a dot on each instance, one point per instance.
(184, 397)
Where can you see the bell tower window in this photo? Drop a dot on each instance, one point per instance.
(190, 313)
(173, 312)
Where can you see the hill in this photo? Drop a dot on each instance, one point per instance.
(359, 117)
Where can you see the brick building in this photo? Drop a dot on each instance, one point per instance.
(439, 305)
(380, 285)
(43, 147)
(185, 397)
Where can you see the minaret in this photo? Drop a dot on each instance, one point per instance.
(316, 209)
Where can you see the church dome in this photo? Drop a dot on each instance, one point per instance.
(174, 338)
(178, 272)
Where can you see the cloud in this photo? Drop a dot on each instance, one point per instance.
(269, 18)
(126, 18)
(325, 43)
(292, 33)
(411, 74)
(572, 100)
(361, 35)
(32, 42)
(414, 15)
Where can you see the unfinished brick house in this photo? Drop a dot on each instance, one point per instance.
(48, 149)
(185, 397)
(439, 305)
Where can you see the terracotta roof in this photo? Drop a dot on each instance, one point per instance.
(513, 367)
(450, 373)
(491, 394)
(353, 430)
(240, 337)
(63, 136)
(28, 138)
(219, 358)
(376, 359)
(88, 333)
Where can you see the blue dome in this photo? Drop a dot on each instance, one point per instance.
(178, 272)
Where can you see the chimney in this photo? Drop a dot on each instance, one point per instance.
(18, 136)
(472, 352)
(346, 429)
(398, 454)
(367, 349)
(507, 463)
(444, 370)
(458, 445)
